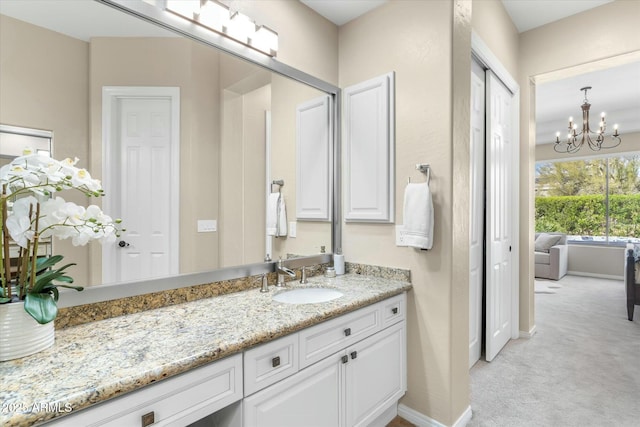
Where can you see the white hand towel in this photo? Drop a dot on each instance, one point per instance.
(417, 227)
(276, 215)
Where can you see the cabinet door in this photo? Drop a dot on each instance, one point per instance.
(312, 397)
(368, 134)
(375, 375)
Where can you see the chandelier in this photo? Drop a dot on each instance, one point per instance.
(575, 140)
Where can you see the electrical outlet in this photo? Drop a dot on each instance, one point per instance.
(400, 236)
(207, 225)
(293, 229)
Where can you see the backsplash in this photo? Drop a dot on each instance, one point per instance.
(77, 315)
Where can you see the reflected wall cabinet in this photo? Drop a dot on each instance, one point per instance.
(369, 156)
(313, 160)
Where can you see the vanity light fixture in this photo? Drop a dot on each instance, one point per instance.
(575, 139)
(217, 17)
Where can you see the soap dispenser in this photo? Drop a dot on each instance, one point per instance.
(338, 262)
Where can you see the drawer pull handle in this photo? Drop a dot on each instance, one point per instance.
(345, 358)
(347, 332)
(354, 354)
(394, 310)
(148, 419)
(275, 362)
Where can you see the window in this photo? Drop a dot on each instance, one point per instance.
(592, 200)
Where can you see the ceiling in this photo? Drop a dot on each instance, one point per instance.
(615, 90)
(529, 14)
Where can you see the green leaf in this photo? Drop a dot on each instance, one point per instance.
(41, 307)
(77, 288)
(4, 300)
(46, 262)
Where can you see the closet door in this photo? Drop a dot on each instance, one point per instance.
(499, 214)
(476, 228)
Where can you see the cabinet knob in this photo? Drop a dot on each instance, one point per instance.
(354, 354)
(345, 358)
(148, 419)
(275, 362)
(394, 310)
(347, 332)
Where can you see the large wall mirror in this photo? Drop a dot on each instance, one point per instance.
(90, 74)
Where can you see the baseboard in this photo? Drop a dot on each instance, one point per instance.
(596, 275)
(421, 420)
(525, 334)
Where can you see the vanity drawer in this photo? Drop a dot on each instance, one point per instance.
(394, 310)
(176, 401)
(320, 341)
(270, 363)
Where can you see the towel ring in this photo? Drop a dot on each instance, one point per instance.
(425, 169)
(279, 183)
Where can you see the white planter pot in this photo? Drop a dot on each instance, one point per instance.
(20, 334)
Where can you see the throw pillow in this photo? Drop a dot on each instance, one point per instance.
(545, 241)
(636, 251)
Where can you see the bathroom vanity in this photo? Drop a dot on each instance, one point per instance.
(241, 359)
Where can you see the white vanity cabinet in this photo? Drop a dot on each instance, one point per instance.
(354, 377)
(176, 401)
(348, 371)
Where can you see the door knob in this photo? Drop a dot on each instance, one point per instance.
(123, 244)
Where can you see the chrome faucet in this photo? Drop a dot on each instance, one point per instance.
(265, 284)
(303, 276)
(282, 270)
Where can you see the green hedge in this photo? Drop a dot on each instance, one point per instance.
(585, 215)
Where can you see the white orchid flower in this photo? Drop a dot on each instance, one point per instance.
(20, 230)
(19, 222)
(69, 162)
(82, 178)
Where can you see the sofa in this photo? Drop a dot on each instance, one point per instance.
(632, 277)
(551, 255)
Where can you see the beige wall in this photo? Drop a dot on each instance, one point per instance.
(597, 261)
(562, 45)
(492, 23)
(414, 39)
(44, 84)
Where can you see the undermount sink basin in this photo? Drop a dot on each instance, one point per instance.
(307, 295)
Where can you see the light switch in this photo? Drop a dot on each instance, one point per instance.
(292, 229)
(207, 225)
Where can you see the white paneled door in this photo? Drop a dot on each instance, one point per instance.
(499, 215)
(142, 173)
(476, 229)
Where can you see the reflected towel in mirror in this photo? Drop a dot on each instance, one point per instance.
(276, 215)
(417, 229)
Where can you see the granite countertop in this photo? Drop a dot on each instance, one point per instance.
(97, 361)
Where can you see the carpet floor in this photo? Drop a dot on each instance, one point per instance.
(580, 368)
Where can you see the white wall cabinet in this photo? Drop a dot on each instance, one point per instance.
(359, 375)
(369, 139)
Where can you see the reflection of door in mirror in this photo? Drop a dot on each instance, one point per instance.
(14, 141)
(141, 163)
